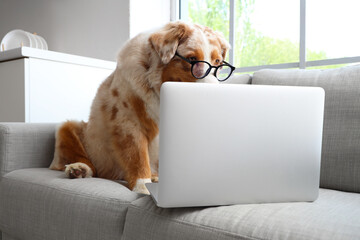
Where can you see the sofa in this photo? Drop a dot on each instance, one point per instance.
(38, 203)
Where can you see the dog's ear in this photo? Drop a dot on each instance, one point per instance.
(165, 42)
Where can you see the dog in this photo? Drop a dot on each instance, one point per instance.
(120, 139)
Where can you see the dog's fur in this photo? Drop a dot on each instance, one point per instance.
(120, 140)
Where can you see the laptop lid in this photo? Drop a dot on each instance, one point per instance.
(224, 144)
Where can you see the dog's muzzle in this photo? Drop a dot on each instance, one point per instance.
(208, 79)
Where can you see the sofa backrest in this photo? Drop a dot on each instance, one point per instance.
(239, 79)
(340, 163)
(26, 145)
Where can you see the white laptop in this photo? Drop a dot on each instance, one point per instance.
(223, 144)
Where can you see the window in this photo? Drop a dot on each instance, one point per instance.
(339, 36)
(281, 33)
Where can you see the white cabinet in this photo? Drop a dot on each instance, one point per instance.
(45, 86)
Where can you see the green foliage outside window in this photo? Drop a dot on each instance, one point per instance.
(252, 48)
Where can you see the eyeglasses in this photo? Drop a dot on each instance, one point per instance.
(200, 69)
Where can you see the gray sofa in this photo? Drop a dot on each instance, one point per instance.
(37, 203)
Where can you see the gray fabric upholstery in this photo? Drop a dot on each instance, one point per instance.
(340, 164)
(26, 145)
(4, 236)
(335, 215)
(239, 79)
(43, 204)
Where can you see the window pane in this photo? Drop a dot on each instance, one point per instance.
(332, 29)
(211, 13)
(267, 32)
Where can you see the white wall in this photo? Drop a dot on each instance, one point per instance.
(148, 14)
(92, 28)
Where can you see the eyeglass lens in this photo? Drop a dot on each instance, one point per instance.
(223, 72)
(200, 69)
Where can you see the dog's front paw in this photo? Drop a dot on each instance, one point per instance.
(78, 170)
(140, 186)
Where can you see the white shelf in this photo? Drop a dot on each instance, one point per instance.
(27, 52)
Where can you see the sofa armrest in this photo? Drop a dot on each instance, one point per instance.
(26, 145)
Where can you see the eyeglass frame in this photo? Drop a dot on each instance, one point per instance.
(209, 70)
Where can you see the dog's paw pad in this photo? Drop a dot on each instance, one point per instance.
(78, 170)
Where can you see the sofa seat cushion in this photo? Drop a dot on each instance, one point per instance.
(335, 215)
(47, 205)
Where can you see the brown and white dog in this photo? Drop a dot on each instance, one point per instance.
(120, 140)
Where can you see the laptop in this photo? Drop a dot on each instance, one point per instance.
(224, 144)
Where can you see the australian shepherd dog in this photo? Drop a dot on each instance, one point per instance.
(120, 139)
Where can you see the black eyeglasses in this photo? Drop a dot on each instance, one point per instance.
(200, 69)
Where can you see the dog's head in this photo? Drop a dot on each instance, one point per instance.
(178, 40)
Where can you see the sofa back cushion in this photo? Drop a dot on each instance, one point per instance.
(239, 79)
(340, 163)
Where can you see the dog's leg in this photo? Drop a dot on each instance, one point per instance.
(154, 158)
(70, 155)
(131, 149)
(138, 170)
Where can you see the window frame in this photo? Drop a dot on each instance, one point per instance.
(179, 12)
